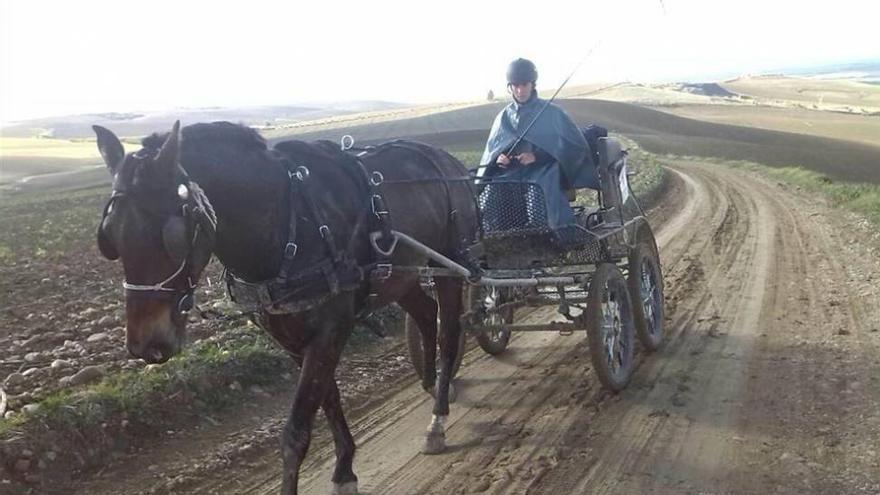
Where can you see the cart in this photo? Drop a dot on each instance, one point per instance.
(603, 273)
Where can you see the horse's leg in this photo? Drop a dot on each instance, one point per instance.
(423, 310)
(449, 298)
(320, 358)
(344, 479)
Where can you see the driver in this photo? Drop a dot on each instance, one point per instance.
(550, 154)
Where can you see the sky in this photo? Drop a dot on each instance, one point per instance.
(64, 57)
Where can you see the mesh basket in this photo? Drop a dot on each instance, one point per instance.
(512, 208)
(517, 234)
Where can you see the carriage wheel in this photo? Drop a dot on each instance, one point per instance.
(416, 354)
(494, 342)
(609, 322)
(645, 283)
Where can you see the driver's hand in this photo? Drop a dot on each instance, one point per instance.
(503, 160)
(526, 158)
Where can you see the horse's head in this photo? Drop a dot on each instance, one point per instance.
(160, 224)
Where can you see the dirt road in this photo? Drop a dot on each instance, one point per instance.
(769, 381)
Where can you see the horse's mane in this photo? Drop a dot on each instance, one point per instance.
(225, 132)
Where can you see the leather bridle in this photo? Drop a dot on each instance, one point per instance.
(196, 219)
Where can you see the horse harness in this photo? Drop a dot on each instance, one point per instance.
(338, 271)
(288, 292)
(294, 292)
(180, 235)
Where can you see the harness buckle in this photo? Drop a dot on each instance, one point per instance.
(382, 272)
(378, 205)
(290, 250)
(324, 230)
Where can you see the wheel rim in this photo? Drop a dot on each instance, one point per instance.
(649, 293)
(492, 299)
(613, 331)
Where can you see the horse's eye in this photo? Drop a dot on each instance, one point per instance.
(183, 192)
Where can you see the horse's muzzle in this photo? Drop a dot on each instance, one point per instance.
(152, 333)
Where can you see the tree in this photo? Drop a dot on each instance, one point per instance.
(491, 95)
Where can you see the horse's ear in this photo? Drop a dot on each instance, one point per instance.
(170, 153)
(111, 149)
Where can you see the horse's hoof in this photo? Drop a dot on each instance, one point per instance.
(435, 443)
(349, 488)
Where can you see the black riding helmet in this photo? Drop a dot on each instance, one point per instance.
(521, 71)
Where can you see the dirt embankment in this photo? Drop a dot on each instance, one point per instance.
(768, 381)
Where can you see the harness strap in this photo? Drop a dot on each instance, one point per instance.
(455, 229)
(338, 270)
(290, 246)
(379, 209)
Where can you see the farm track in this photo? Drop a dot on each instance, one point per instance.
(768, 381)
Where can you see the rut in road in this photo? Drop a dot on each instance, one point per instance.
(733, 403)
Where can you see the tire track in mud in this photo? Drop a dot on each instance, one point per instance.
(672, 430)
(815, 379)
(755, 392)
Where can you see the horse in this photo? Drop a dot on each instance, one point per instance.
(299, 215)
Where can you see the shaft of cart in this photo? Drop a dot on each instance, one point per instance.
(454, 269)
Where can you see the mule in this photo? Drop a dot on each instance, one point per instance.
(279, 215)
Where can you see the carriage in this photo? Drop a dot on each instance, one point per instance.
(602, 273)
(176, 202)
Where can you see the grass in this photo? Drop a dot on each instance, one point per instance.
(650, 173)
(860, 198)
(470, 158)
(91, 423)
(198, 378)
(857, 197)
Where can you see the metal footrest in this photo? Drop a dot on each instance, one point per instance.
(553, 326)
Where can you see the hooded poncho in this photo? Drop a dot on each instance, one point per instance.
(555, 134)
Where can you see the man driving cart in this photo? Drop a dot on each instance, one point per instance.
(534, 141)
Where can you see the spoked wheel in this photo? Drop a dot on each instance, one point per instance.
(492, 341)
(417, 355)
(609, 322)
(645, 283)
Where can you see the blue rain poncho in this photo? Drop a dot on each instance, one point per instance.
(561, 151)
